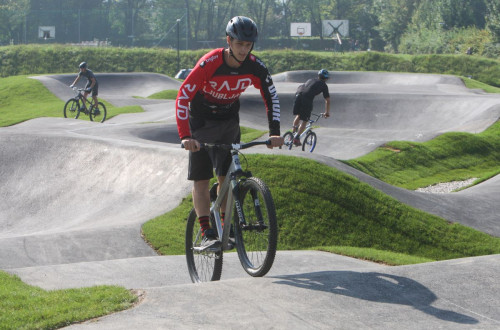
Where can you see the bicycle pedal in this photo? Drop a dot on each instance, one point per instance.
(230, 246)
(215, 247)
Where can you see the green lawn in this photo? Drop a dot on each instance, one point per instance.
(24, 306)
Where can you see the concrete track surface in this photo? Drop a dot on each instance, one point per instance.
(74, 194)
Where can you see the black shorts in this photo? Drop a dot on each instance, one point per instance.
(302, 107)
(202, 163)
(95, 89)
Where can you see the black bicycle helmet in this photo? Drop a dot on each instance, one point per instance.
(323, 74)
(83, 65)
(242, 28)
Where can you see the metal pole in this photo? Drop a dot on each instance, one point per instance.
(178, 46)
(79, 26)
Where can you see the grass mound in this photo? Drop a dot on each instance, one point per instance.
(321, 207)
(449, 157)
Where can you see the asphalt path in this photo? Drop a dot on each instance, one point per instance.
(74, 194)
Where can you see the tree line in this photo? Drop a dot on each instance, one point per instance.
(408, 26)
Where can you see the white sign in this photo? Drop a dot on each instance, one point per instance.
(300, 29)
(46, 32)
(333, 27)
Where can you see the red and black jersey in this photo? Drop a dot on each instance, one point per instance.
(213, 88)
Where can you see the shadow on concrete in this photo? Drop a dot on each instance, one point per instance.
(377, 287)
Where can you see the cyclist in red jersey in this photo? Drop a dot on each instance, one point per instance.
(207, 110)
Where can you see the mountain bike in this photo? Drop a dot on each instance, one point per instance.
(309, 136)
(249, 211)
(72, 108)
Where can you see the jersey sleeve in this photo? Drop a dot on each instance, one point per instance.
(189, 87)
(265, 84)
(326, 92)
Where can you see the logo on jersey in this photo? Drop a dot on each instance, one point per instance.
(212, 58)
(182, 109)
(276, 103)
(208, 60)
(226, 90)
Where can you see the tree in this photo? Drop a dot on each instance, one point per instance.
(12, 19)
(394, 17)
(492, 17)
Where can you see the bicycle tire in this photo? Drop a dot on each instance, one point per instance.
(203, 266)
(288, 137)
(256, 244)
(309, 142)
(101, 117)
(72, 109)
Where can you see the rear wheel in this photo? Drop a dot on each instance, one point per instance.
(72, 109)
(309, 142)
(98, 116)
(203, 266)
(288, 137)
(256, 240)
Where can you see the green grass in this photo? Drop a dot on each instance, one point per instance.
(380, 256)
(23, 98)
(323, 208)
(449, 157)
(24, 306)
(169, 94)
(474, 84)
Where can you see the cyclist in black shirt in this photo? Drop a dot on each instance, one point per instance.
(303, 104)
(92, 85)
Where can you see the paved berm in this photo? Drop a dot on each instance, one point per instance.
(74, 194)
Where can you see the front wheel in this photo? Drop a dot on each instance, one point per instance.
(288, 137)
(256, 240)
(98, 114)
(309, 142)
(72, 109)
(203, 266)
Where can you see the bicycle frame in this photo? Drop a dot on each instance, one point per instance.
(228, 192)
(309, 125)
(79, 96)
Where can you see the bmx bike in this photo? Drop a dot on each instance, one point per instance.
(308, 135)
(249, 211)
(75, 105)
